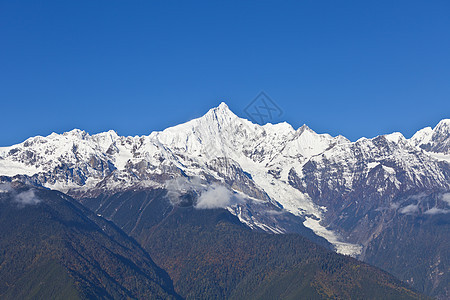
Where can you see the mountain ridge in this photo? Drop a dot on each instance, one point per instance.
(76, 160)
(346, 192)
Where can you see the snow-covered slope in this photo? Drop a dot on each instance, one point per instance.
(295, 171)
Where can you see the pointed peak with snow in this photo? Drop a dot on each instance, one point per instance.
(221, 108)
(442, 128)
(219, 113)
(77, 133)
(282, 128)
(435, 140)
(223, 105)
(394, 137)
(422, 136)
(110, 134)
(304, 128)
(444, 122)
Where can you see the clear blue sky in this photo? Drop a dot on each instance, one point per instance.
(356, 68)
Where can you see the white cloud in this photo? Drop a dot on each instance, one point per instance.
(418, 197)
(410, 209)
(414, 208)
(210, 196)
(394, 205)
(26, 198)
(180, 186)
(21, 199)
(217, 196)
(5, 188)
(446, 197)
(435, 211)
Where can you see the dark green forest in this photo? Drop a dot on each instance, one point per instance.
(210, 254)
(57, 249)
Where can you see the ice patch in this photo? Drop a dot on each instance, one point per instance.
(372, 165)
(341, 247)
(439, 156)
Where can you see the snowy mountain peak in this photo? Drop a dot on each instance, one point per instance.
(110, 135)
(436, 140)
(221, 110)
(444, 122)
(223, 106)
(78, 133)
(279, 128)
(217, 116)
(274, 162)
(422, 136)
(443, 127)
(304, 128)
(395, 137)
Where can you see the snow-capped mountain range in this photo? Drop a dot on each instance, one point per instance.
(266, 170)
